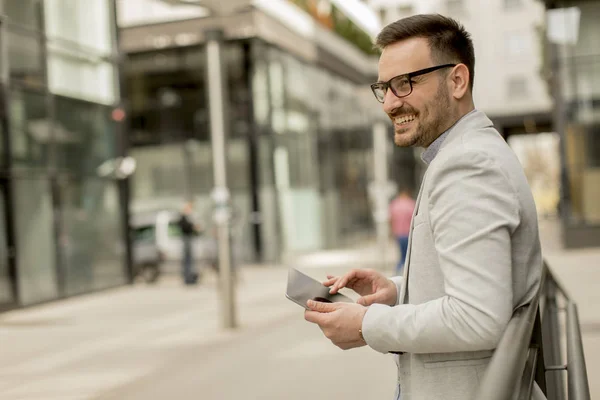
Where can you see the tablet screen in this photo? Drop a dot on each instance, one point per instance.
(301, 288)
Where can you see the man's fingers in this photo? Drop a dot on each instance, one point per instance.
(341, 283)
(317, 312)
(351, 277)
(370, 299)
(367, 300)
(330, 280)
(313, 316)
(321, 307)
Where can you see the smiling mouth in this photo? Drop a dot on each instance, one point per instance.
(404, 119)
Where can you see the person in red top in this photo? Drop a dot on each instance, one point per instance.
(401, 211)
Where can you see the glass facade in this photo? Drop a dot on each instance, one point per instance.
(579, 62)
(7, 289)
(299, 146)
(170, 135)
(322, 152)
(61, 223)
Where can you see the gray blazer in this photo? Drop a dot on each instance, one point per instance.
(474, 256)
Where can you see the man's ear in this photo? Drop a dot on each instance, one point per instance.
(460, 78)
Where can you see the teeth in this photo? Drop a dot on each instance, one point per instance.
(404, 119)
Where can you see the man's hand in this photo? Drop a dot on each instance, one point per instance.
(340, 322)
(373, 286)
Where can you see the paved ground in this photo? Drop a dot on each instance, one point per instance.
(165, 341)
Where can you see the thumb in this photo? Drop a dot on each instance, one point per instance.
(321, 306)
(367, 300)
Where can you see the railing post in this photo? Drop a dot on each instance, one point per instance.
(550, 340)
(537, 341)
(579, 388)
(529, 373)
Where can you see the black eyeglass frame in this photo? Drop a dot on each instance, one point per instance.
(387, 85)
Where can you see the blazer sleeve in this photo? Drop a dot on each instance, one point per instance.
(473, 210)
(398, 282)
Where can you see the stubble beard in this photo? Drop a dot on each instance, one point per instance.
(428, 131)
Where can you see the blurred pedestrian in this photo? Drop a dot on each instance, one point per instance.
(188, 231)
(474, 252)
(401, 211)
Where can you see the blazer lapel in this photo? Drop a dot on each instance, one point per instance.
(475, 120)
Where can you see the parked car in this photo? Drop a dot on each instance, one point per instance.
(158, 242)
(147, 258)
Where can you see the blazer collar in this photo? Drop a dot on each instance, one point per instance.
(474, 120)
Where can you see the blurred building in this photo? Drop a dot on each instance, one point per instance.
(299, 111)
(574, 68)
(61, 223)
(508, 39)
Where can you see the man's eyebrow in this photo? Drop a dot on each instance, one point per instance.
(386, 80)
(395, 76)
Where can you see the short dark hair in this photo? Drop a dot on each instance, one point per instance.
(448, 40)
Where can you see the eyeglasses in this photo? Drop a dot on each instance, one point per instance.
(401, 85)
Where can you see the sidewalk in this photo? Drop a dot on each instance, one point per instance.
(165, 341)
(84, 346)
(155, 342)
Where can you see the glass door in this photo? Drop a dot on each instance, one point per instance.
(7, 266)
(7, 282)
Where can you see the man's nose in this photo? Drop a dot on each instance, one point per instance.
(391, 102)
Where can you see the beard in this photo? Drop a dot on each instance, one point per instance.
(431, 122)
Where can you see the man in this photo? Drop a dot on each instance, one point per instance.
(401, 211)
(188, 231)
(474, 253)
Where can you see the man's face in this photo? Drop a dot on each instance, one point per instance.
(422, 116)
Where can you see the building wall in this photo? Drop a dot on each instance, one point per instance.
(578, 56)
(62, 221)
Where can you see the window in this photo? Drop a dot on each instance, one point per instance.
(3, 126)
(36, 244)
(405, 11)
(79, 42)
(512, 4)
(455, 7)
(79, 75)
(383, 16)
(6, 295)
(23, 12)
(83, 134)
(25, 58)
(30, 129)
(517, 44)
(91, 237)
(517, 87)
(85, 23)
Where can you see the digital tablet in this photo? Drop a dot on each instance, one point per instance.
(301, 288)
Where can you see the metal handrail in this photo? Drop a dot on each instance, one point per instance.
(577, 378)
(530, 340)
